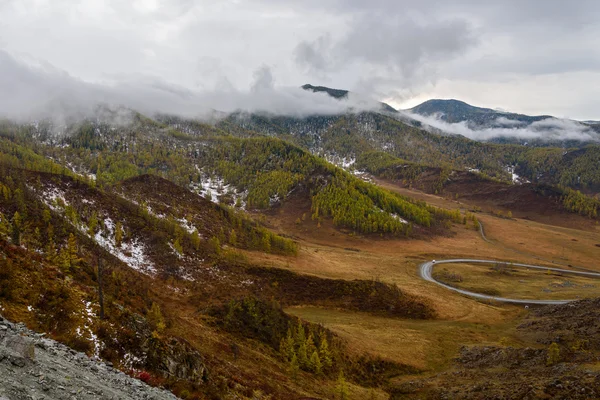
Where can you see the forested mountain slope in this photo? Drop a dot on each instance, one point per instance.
(342, 138)
(153, 278)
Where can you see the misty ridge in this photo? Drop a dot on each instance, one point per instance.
(35, 91)
(549, 129)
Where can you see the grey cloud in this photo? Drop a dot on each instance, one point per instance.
(263, 80)
(396, 43)
(395, 49)
(392, 55)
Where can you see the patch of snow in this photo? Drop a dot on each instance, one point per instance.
(151, 212)
(129, 360)
(274, 200)
(93, 336)
(342, 162)
(132, 253)
(475, 170)
(186, 276)
(180, 256)
(213, 188)
(515, 178)
(399, 218)
(51, 196)
(364, 175)
(187, 225)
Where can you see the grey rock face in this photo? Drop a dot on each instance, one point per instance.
(33, 367)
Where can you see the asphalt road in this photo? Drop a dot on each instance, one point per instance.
(426, 270)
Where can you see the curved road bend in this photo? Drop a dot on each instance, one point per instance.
(426, 270)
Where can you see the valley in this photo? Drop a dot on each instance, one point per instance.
(238, 264)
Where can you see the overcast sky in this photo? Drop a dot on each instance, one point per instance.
(531, 56)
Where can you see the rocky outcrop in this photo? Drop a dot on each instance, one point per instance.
(34, 367)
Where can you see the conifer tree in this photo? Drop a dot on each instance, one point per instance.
(232, 237)
(63, 260)
(72, 252)
(46, 216)
(299, 334)
(315, 363)
(118, 234)
(302, 356)
(196, 240)
(342, 387)
(294, 367)
(15, 234)
(215, 244)
(553, 354)
(93, 224)
(155, 318)
(325, 353)
(4, 225)
(310, 344)
(266, 242)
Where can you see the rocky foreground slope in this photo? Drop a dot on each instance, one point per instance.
(34, 367)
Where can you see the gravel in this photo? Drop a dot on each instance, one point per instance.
(34, 367)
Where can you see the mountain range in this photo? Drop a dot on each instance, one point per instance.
(209, 257)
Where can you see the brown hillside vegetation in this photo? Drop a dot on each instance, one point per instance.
(167, 296)
(523, 200)
(530, 370)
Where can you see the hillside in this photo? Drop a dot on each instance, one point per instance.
(215, 246)
(178, 286)
(30, 363)
(519, 197)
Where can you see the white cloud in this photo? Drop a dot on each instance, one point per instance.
(42, 91)
(550, 129)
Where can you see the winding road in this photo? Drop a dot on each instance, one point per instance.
(426, 272)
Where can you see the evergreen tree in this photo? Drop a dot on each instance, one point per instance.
(4, 225)
(302, 356)
(63, 260)
(215, 245)
(72, 250)
(342, 387)
(325, 353)
(46, 216)
(196, 240)
(155, 318)
(71, 214)
(93, 224)
(299, 334)
(177, 246)
(286, 346)
(310, 344)
(553, 354)
(232, 238)
(266, 242)
(315, 363)
(118, 234)
(294, 367)
(15, 235)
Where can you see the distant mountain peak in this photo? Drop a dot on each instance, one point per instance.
(342, 94)
(336, 93)
(452, 111)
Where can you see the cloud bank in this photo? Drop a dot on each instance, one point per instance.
(40, 91)
(546, 130)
